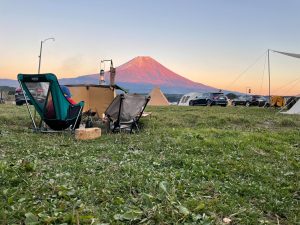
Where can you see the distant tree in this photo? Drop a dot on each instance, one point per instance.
(231, 95)
(11, 92)
(7, 88)
(173, 97)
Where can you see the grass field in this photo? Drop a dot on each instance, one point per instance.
(189, 165)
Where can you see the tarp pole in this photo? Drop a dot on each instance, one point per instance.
(40, 57)
(269, 76)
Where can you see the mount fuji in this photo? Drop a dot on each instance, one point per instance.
(143, 73)
(139, 75)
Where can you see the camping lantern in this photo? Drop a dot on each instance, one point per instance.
(112, 71)
(102, 81)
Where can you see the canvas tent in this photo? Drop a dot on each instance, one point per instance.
(295, 109)
(96, 97)
(158, 98)
(277, 101)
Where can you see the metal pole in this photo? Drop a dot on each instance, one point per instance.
(269, 76)
(25, 97)
(40, 57)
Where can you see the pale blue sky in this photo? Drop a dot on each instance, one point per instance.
(206, 41)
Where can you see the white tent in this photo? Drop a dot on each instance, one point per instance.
(185, 99)
(295, 109)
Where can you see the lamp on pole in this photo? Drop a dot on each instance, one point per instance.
(248, 90)
(40, 56)
(112, 71)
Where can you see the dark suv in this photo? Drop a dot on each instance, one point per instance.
(249, 100)
(209, 99)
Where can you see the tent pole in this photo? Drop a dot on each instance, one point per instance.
(269, 76)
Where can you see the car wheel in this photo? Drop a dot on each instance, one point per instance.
(247, 104)
(209, 103)
(191, 103)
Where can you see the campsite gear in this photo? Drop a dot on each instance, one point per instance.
(96, 97)
(48, 99)
(66, 91)
(277, 101)
(158, 98)
(112, 76)
(291, 101)
(87, 133)
(67, 94)
(125, 111)
(112, 72)
(293, 106)
(89, 121)
(102, 80)
(185, 99)
(295, 109)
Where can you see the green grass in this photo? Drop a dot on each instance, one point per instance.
(189, 165)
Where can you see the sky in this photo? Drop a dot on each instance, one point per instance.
(208, 41)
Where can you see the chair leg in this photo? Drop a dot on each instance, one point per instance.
(134, 124)
(74, 125)
(27, 105)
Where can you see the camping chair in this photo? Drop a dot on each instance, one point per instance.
(55, 110)
(125, 111)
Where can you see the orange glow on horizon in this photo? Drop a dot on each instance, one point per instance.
(279, 86)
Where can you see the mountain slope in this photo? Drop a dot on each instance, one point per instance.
(143, 73)
(8, 82)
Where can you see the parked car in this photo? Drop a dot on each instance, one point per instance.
(19, 97)
(37, 93)
(249, 100)
(209, 99)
